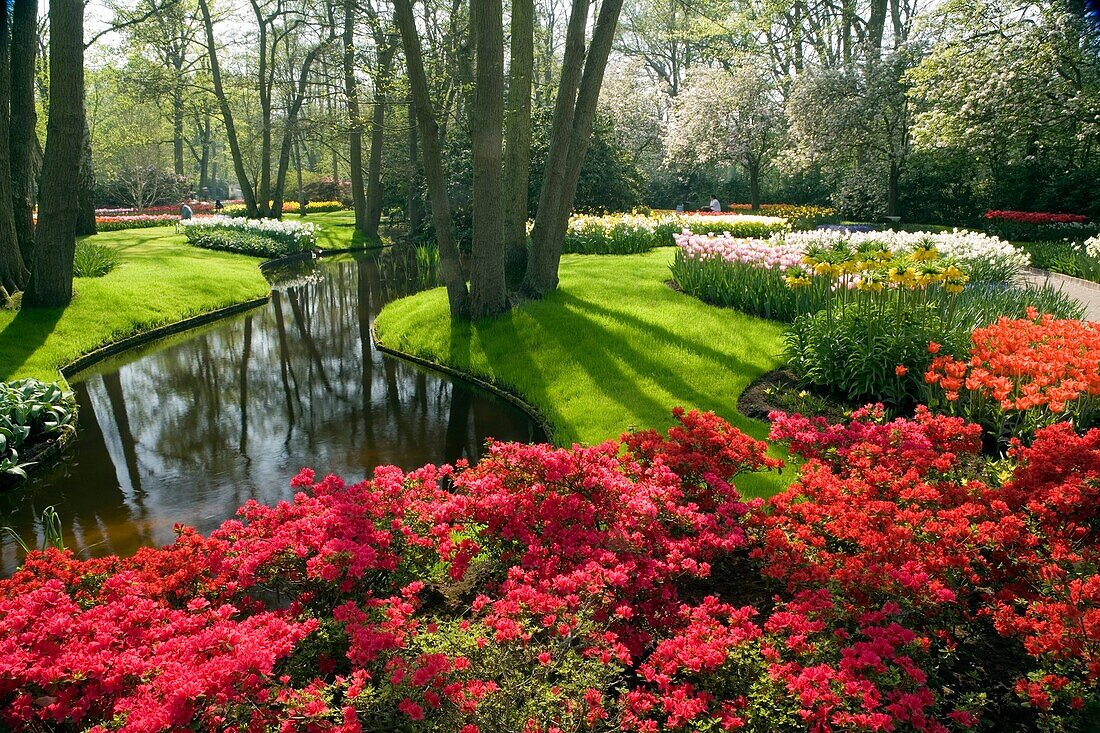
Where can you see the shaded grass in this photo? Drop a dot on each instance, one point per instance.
(613, 348)
(160, 279)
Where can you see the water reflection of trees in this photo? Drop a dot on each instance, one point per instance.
(189, 432)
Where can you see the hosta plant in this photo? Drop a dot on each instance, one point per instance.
(30, 410)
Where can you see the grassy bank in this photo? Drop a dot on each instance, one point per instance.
(160, 279)
(613, 348)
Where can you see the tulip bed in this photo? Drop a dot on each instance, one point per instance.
(864, 304)
(257, 237)
(636, 233)
(625, 586)
(1033, 226)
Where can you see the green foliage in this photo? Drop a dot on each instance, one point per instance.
(52, 534)
(245, 243)
(753, 290)
(29, 411)
(854, 348)
(1065, 257)
(93, 259)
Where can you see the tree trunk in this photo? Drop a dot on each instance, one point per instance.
(355, 122)
(488, 290)
(248, 194)
(377, 139)
(13, 273)
(892, 189)
(177, 130)
(290, 125)
(265, 82)
(542, 276)
(24, 46)
(580, 137)
(51, 282)
(85, 200)
(754, 185)
(457, 294)
(412, 204)
(204, 157)
(517, 154)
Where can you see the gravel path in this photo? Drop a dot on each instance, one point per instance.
(1083, 290)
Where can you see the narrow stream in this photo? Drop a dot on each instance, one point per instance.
(189, 428)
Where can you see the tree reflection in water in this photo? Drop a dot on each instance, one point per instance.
(188, 429)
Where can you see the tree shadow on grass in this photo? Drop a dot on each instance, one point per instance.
(24, 335)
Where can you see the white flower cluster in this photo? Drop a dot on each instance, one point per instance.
(1091, 247)
(303, 234)
(982, 252)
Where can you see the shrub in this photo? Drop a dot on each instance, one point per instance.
(571, 588)
(92, 259)
(287, 237)
(1022, 375)
(30, 410)
(1031, 226)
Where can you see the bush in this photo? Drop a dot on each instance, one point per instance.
(889, 589)
(93, 260)
(218, 232)
(245, 243)
(30, 410)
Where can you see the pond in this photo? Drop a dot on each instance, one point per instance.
(187, 429)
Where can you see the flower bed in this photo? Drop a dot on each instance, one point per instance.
(578, 589)
(1022, 375)
(1033, 226)
(635, 233)
(246, 235)
(864, 304)
(1076, 259)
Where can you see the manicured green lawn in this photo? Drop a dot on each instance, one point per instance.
(160, 280)
(613, 348)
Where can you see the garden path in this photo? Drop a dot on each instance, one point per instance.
(1088, 293)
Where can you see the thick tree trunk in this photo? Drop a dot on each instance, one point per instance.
(517, 133)
(457, 294)
(24, 47)
(542, 272)
(51, 282)
(265, 83)
(247, 192)
(488, 290)
(412, 203)
(355, 122)
(580, 137)
(13, 273)
(377, 139)
(85, 200)
(892, 189)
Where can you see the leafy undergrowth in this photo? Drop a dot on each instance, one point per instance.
(572, 589)
(612, 348)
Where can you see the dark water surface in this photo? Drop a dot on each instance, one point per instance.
(189, 428)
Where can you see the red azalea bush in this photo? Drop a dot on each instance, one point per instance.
(1022, 375)
(591, 589)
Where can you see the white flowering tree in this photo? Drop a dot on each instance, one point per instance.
(728, 117)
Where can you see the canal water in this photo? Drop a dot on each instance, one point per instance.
(189, 428)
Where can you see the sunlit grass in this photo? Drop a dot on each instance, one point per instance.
(160, 279)
(613, 348)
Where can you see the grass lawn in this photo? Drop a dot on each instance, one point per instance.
(160, 279)
(613, 348)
